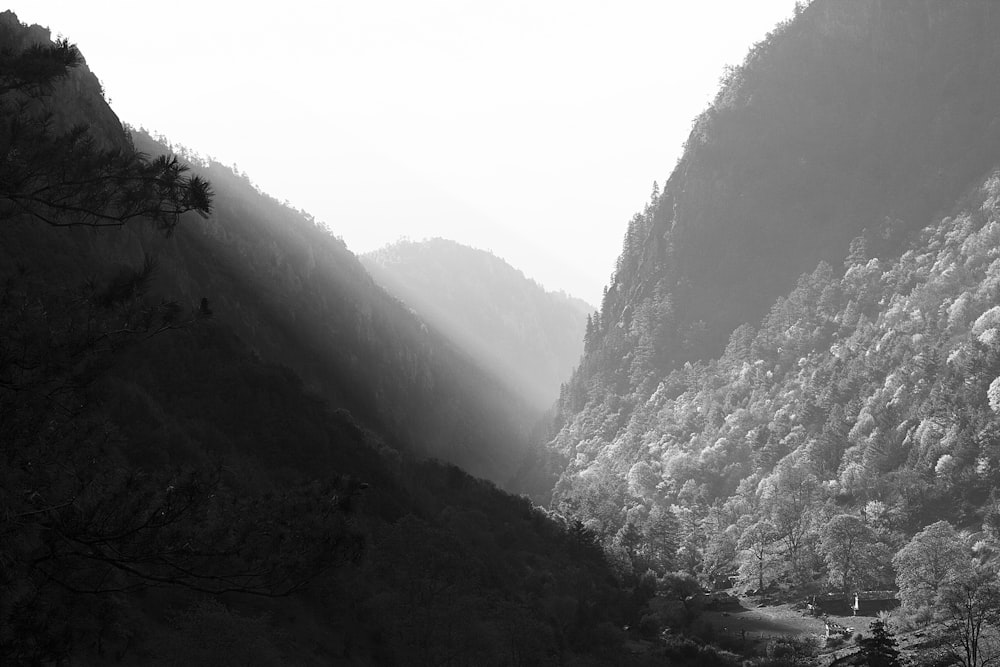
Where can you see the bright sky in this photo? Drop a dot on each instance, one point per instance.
(532, 128)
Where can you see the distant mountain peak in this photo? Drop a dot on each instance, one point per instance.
(525, 335)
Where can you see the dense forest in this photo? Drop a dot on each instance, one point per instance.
(530, 338)
(791, 385)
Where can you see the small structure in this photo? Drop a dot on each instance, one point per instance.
(835, 630)
(862, 603)
(870, 603)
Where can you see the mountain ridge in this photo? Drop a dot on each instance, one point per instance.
(529, 337)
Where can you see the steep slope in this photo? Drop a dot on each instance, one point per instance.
(298, 297)
(865, 397)
(857, 114)
(530, 338)
(862, 116)
(172, 495)
(301, 298)
(874, 393)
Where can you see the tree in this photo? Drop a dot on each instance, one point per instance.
(661, 535)
(589, 334)
(679, 599)
(73, 178)
(847, 545)
(787, 500)
(972, 607)
(629, 539)
(928, 564)
(720, 553)
(879, 650)
(756, 546)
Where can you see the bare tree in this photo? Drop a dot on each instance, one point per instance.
(972, 605)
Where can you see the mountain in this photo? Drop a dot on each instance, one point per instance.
(215, 428)
(295, 294)
(800, 330)
(530, 338)
(859, 114)
(300, 298)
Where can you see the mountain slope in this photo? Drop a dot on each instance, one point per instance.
(291, 290)
(301, 298)
(860, 117)
(860, 387)
(875, 392)
(861, 114)
(294, 293)
(530, 338)
(173, 495)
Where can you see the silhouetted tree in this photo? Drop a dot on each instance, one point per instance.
(69, 179)
(879, 650)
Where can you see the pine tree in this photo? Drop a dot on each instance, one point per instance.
(879, 650)
(661, 534)
(74, 178)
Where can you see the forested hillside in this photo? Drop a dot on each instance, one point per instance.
(298, 297)
(870, 389)
(857, 114)
(530, 338)
(217, 431)
(209, 421)
(834, 218)
(863, 118)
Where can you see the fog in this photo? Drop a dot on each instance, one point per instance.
(534, 130)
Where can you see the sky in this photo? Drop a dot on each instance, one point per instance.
(533, 129)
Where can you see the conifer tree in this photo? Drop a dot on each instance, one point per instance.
(661, 534)
(74, 178)
(879, 650)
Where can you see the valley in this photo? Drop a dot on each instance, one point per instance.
(229, 439)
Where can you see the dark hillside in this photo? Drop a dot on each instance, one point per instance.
(299, 297)
(172, 493)
(295, 294)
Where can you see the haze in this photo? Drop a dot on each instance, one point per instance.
(531, 129)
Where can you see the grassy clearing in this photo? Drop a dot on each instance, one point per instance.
(751, 626)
